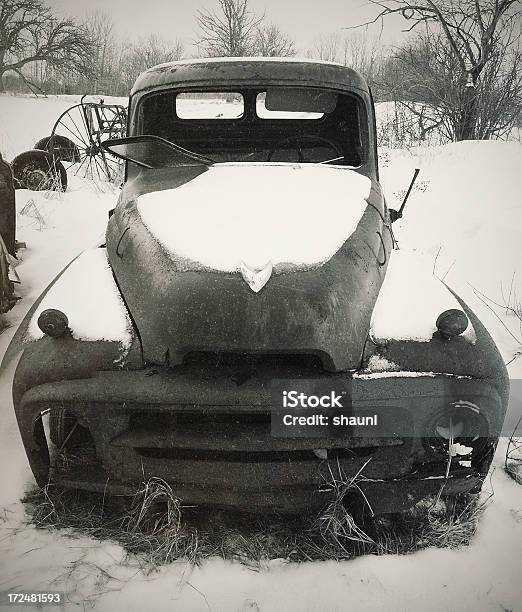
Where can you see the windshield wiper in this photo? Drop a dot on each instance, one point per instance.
(329, 161)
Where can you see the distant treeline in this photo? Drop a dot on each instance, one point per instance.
(446, 86)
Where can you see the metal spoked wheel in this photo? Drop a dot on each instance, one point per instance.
(77, 136)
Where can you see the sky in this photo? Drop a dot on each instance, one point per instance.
(303, 20)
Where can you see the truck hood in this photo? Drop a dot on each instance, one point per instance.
(253, 215)
(256, 258)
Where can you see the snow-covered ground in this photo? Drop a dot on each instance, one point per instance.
(465, 218)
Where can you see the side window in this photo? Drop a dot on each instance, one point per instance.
(263, 112)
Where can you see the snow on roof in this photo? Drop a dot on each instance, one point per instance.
(222, 60)
(254, 214)
(410, 300)
(89, 297)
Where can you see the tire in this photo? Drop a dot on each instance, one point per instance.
(38, 171)
(61, 424)
(61, 147)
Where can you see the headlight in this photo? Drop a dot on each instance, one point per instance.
(464, 425)
(451, 323)
(53, 322)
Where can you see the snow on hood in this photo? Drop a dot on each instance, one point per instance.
(410, 300)
(87, 294)
(255, 214)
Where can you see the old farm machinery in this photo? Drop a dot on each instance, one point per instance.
(74, 147)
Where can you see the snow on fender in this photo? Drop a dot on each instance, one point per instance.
(87, 294)
(410, 301)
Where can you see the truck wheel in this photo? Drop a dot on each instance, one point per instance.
(61, 424)
(38, 170)
(61, 147)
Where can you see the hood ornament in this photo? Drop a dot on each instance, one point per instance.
(256, 279)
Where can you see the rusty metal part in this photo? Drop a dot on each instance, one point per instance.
(7, 207)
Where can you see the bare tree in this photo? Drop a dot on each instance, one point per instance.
(29, 32)
(419, 78)
(229, 31)
(155, 50)
(100, 26)
(144, 54)
(423, 76)
(358, 51)
(327, 47)
(363, 54)
(476, 33)
(269, 41)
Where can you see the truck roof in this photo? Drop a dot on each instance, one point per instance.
(220, 71)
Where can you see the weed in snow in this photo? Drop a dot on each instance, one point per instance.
(513, 458)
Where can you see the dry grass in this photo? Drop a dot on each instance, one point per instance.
(157, 529)
(513, 461)
(511, 308)
(448, 524)
(335, 523)
(513, 458)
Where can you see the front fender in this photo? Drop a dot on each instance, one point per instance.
(86, 292)
(479, 359)
(84, 298)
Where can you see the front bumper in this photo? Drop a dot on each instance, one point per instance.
(207, 433)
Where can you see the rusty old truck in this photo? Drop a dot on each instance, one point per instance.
(252, 243)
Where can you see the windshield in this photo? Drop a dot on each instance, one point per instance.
(268, 124)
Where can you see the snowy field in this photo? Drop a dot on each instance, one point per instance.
(464, 218)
